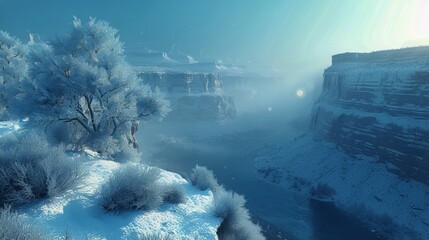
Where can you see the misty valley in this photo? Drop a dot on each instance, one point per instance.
(244, 120)
(252, 152)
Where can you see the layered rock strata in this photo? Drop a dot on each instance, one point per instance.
(193, 96)
(377, 104)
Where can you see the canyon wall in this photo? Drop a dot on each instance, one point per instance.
(193, 96)
(377, 104)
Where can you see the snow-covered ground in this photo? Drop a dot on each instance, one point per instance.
(79, 214)
(362, 186)
(8, 127)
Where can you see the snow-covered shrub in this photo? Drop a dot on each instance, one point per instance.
(203, 178)
(13, 69)
(322, 190)
(30, 169)
(83, 81)
(132, 186)
(237, 223)
(174, 194)
(14, 226)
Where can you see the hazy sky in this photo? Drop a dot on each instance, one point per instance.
(286, 35)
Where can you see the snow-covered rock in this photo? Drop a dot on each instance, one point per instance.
(193, 96)
(360, 184)
(369, 141)
(377, 104)
(79, 213)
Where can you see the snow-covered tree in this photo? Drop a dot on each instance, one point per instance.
(13, 68)
(83, 83)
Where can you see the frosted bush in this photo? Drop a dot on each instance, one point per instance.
(229, 205)
(132, 186)
(203, 178)
(14, 226)
(237, 223)
(31, 169)
(174, 194)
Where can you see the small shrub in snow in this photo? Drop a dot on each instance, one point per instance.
(14, 226)
(322, 190)
(31, 169)
(132, 186)
(237, 223)
(203, 178)
(229, 205)
(174, 194)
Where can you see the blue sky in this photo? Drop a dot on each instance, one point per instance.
(282, 35)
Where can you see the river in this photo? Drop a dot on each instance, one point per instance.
(229, 153)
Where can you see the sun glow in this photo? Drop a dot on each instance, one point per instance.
(400, 24)
(419, 33)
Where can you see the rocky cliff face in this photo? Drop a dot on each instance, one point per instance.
(377, 104)
(193, 96)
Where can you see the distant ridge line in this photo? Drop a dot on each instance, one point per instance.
(377, 56)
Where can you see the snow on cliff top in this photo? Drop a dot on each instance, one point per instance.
(79, 214)
(408, 53)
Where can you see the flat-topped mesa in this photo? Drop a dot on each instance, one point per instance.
(377, 104)
(386, 55)
(174, 83)
(193, 96)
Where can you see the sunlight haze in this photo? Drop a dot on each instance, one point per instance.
(278, 36)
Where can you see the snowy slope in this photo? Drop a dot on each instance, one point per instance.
(304, 163)
(79, 214)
